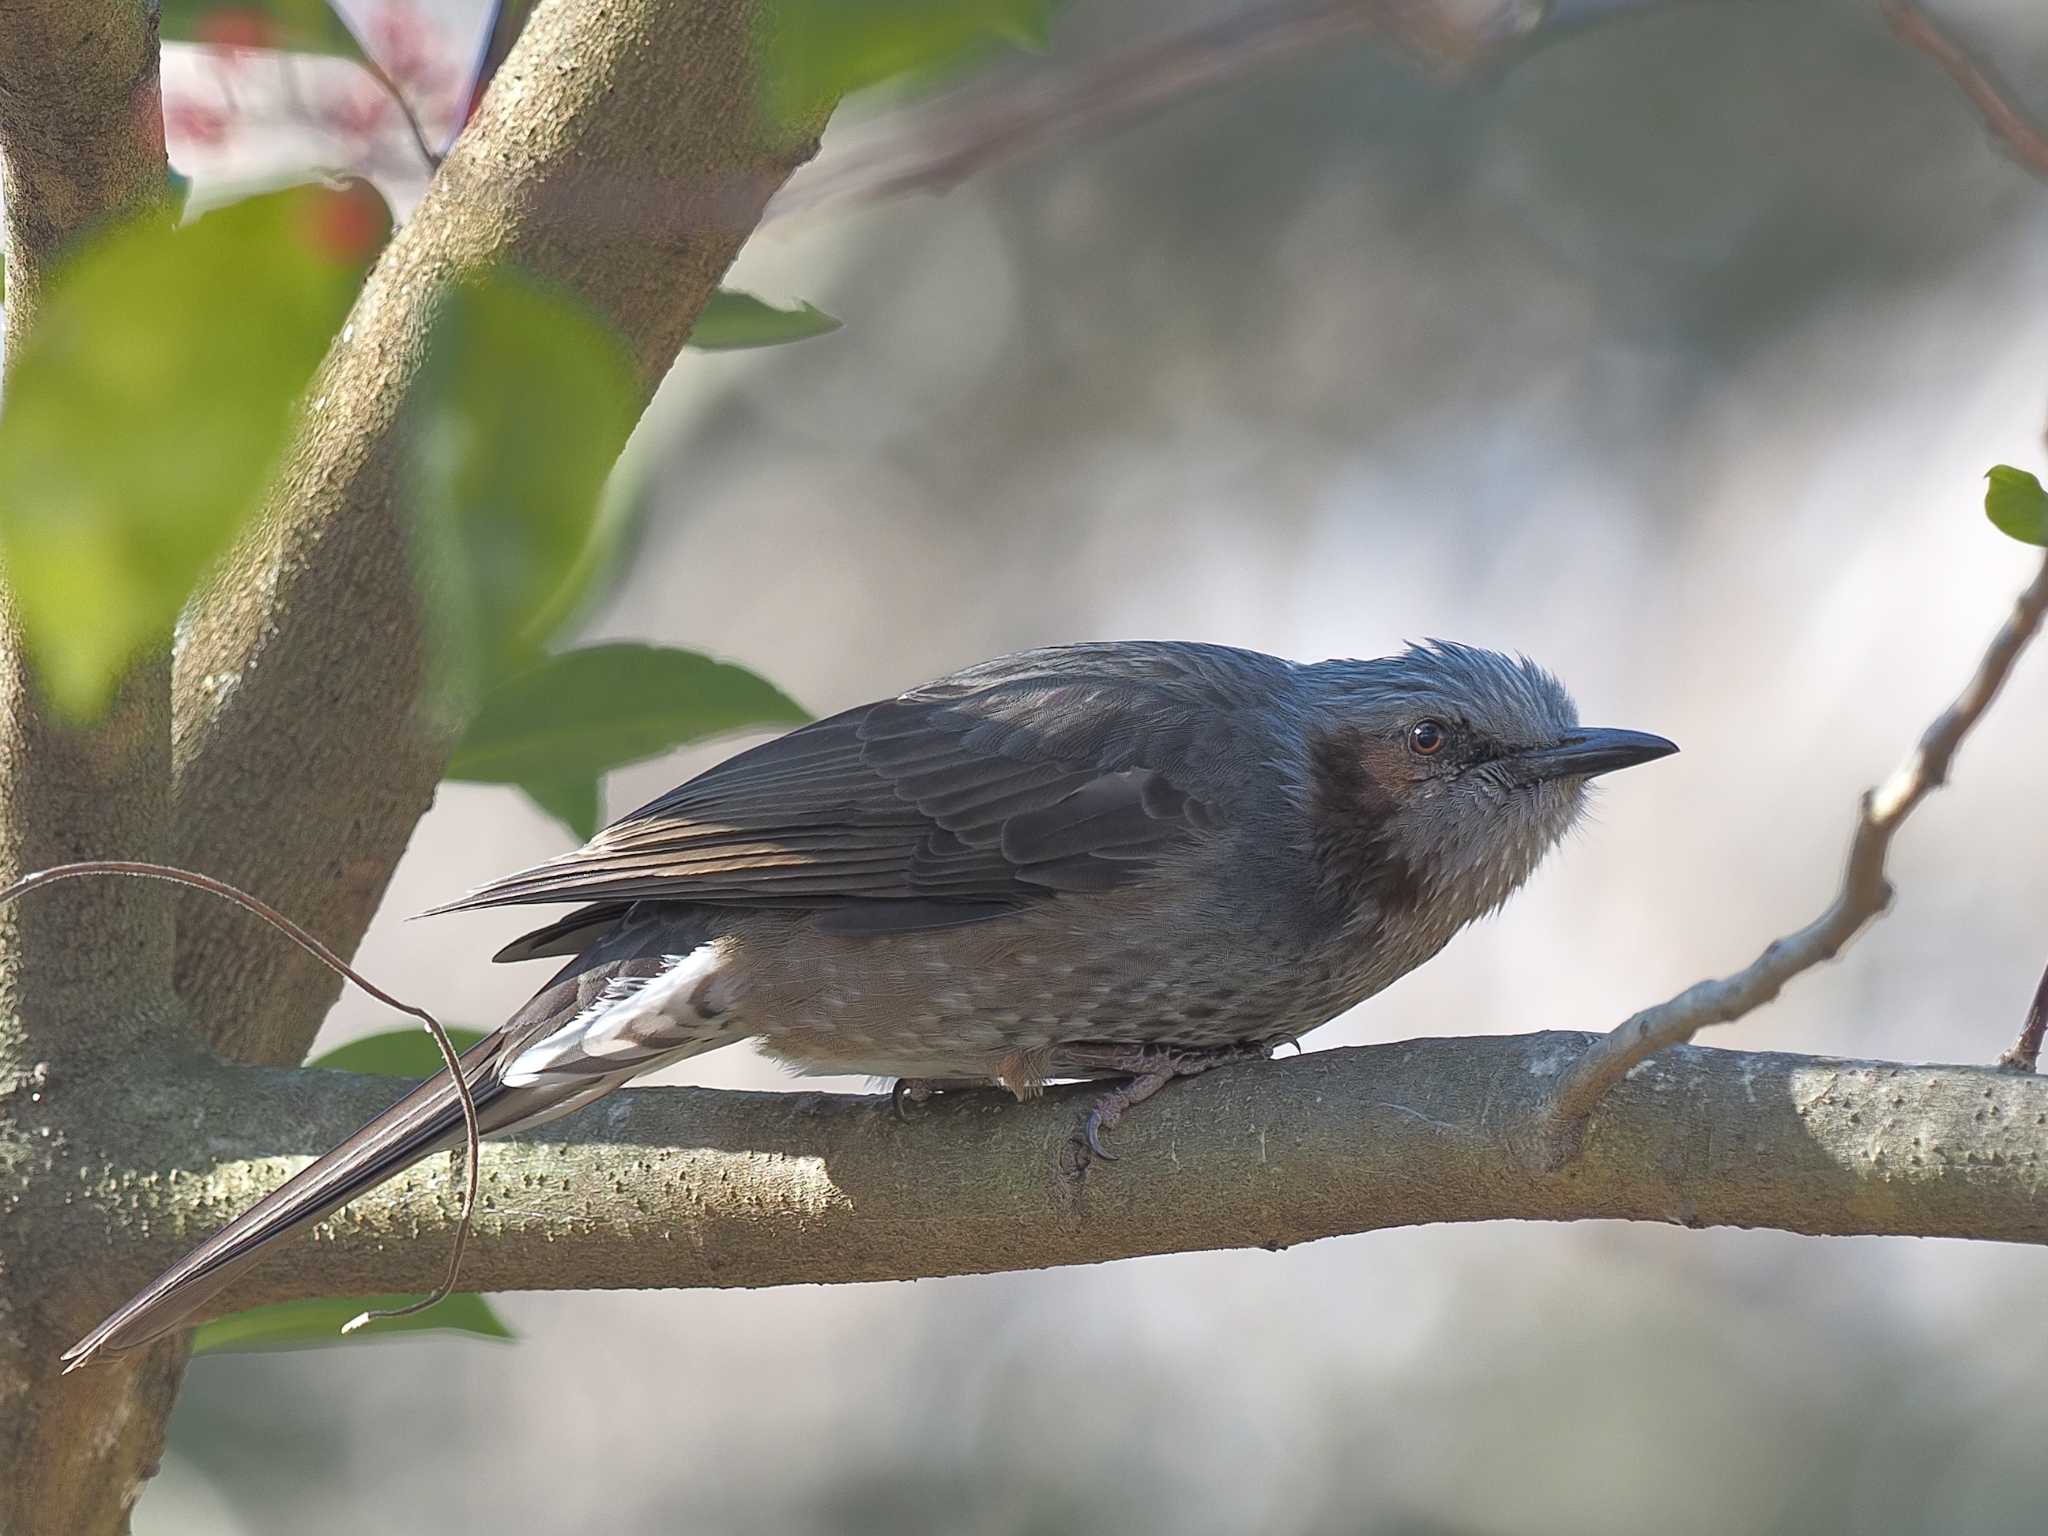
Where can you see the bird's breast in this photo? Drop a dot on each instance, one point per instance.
(959, 1001)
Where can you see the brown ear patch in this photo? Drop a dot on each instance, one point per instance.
(1355, 782)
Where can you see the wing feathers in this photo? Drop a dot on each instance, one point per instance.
(1010, 783)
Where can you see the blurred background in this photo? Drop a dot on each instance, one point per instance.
(1672, 356)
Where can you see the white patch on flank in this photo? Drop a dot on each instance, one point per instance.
(633, 1020)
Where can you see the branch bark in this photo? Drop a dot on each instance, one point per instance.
(81, 132)
(620, 155)
(688, 1187)
(2023, 138)
(85, 980)
(932, 149)
(1864, 896)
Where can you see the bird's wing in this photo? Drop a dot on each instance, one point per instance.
(1068, 770)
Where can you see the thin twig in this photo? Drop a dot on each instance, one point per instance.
(2025, 1055)
(984, 126)
(382, 76)
(988, 125)
(143, 869)
(1864, 895)
(2024, 137)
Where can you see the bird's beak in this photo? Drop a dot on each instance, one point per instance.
(1582, 754)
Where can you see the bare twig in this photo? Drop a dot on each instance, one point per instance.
(143, 869)
(2024, 137)
(2025, 1055)
(1864, 895)
(988, 125)
(940, 145)
(378, 73)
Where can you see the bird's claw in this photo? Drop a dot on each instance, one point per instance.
(1092, 1131)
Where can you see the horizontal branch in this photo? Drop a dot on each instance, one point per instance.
(690, 1187)
(1864, 895)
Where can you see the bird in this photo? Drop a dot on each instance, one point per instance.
(1120, 860)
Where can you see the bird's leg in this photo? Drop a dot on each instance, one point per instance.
(1145, 1069)
(915, 1090)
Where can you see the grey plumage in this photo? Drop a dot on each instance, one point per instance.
(1055, 863)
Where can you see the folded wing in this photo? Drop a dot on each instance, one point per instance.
(1063, 771)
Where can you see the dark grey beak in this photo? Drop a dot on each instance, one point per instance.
(1582, 754)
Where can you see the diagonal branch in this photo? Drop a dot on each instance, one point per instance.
(619, 155)
(933, 149)
(2025, 1055)
(2020, 133)
(691, 1187)
(1864, 895)
(985, 126)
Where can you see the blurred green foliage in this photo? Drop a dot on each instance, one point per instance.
(526, 401)
(301, 26)
(732, 320)
(815, 51)
(566, 721)
(523, 405)
(394, 1053)
(146, 410)
(2016, 504)
(317, 1323)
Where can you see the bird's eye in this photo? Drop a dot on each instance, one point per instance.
(1427, 737)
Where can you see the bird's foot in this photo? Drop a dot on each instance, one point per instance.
(915, 1090)
(1145, 1069)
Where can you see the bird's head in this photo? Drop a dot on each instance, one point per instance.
(1439, 778)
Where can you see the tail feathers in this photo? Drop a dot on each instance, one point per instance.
(424, 1121)
(647, 991)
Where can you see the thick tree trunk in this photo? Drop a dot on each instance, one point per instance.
(85, 975)
(620, 154)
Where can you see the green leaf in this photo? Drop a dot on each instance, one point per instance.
(2016, 504)
(574, 803)
(317, 1323)
(815, 51)
(298, 26)
(147, 408)
(395, 1053)
(577, 715)
(734, 320)
(524, 403)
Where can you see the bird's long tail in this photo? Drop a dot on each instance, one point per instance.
(644, 992)
(424, 1121)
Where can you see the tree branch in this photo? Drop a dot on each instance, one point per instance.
(81, 132)
(1864, 895)
(85, 978)
(2025, 1055)
(2019, 133)
(618, 154)
(687, 1187)
(932, 149)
